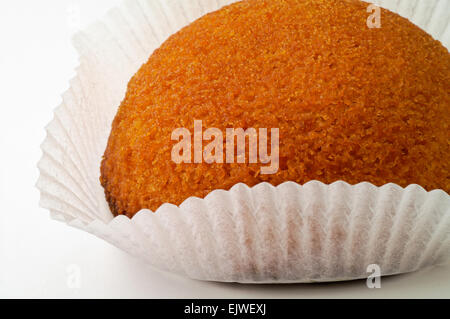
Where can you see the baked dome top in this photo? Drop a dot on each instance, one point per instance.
(351, 103)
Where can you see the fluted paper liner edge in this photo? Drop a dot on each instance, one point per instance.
(264, 234)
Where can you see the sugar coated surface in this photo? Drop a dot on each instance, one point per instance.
(351, 103)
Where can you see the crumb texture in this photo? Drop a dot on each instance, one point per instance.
(352, 103)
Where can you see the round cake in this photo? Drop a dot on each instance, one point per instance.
(349, 102)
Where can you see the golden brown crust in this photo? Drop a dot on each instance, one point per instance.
(352, 103)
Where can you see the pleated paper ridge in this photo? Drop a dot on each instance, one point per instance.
(264, 234)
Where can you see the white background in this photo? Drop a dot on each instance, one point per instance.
(38, 255)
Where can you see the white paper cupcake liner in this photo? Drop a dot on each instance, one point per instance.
(264, 234)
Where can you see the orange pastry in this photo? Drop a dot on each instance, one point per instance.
(350, 102)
